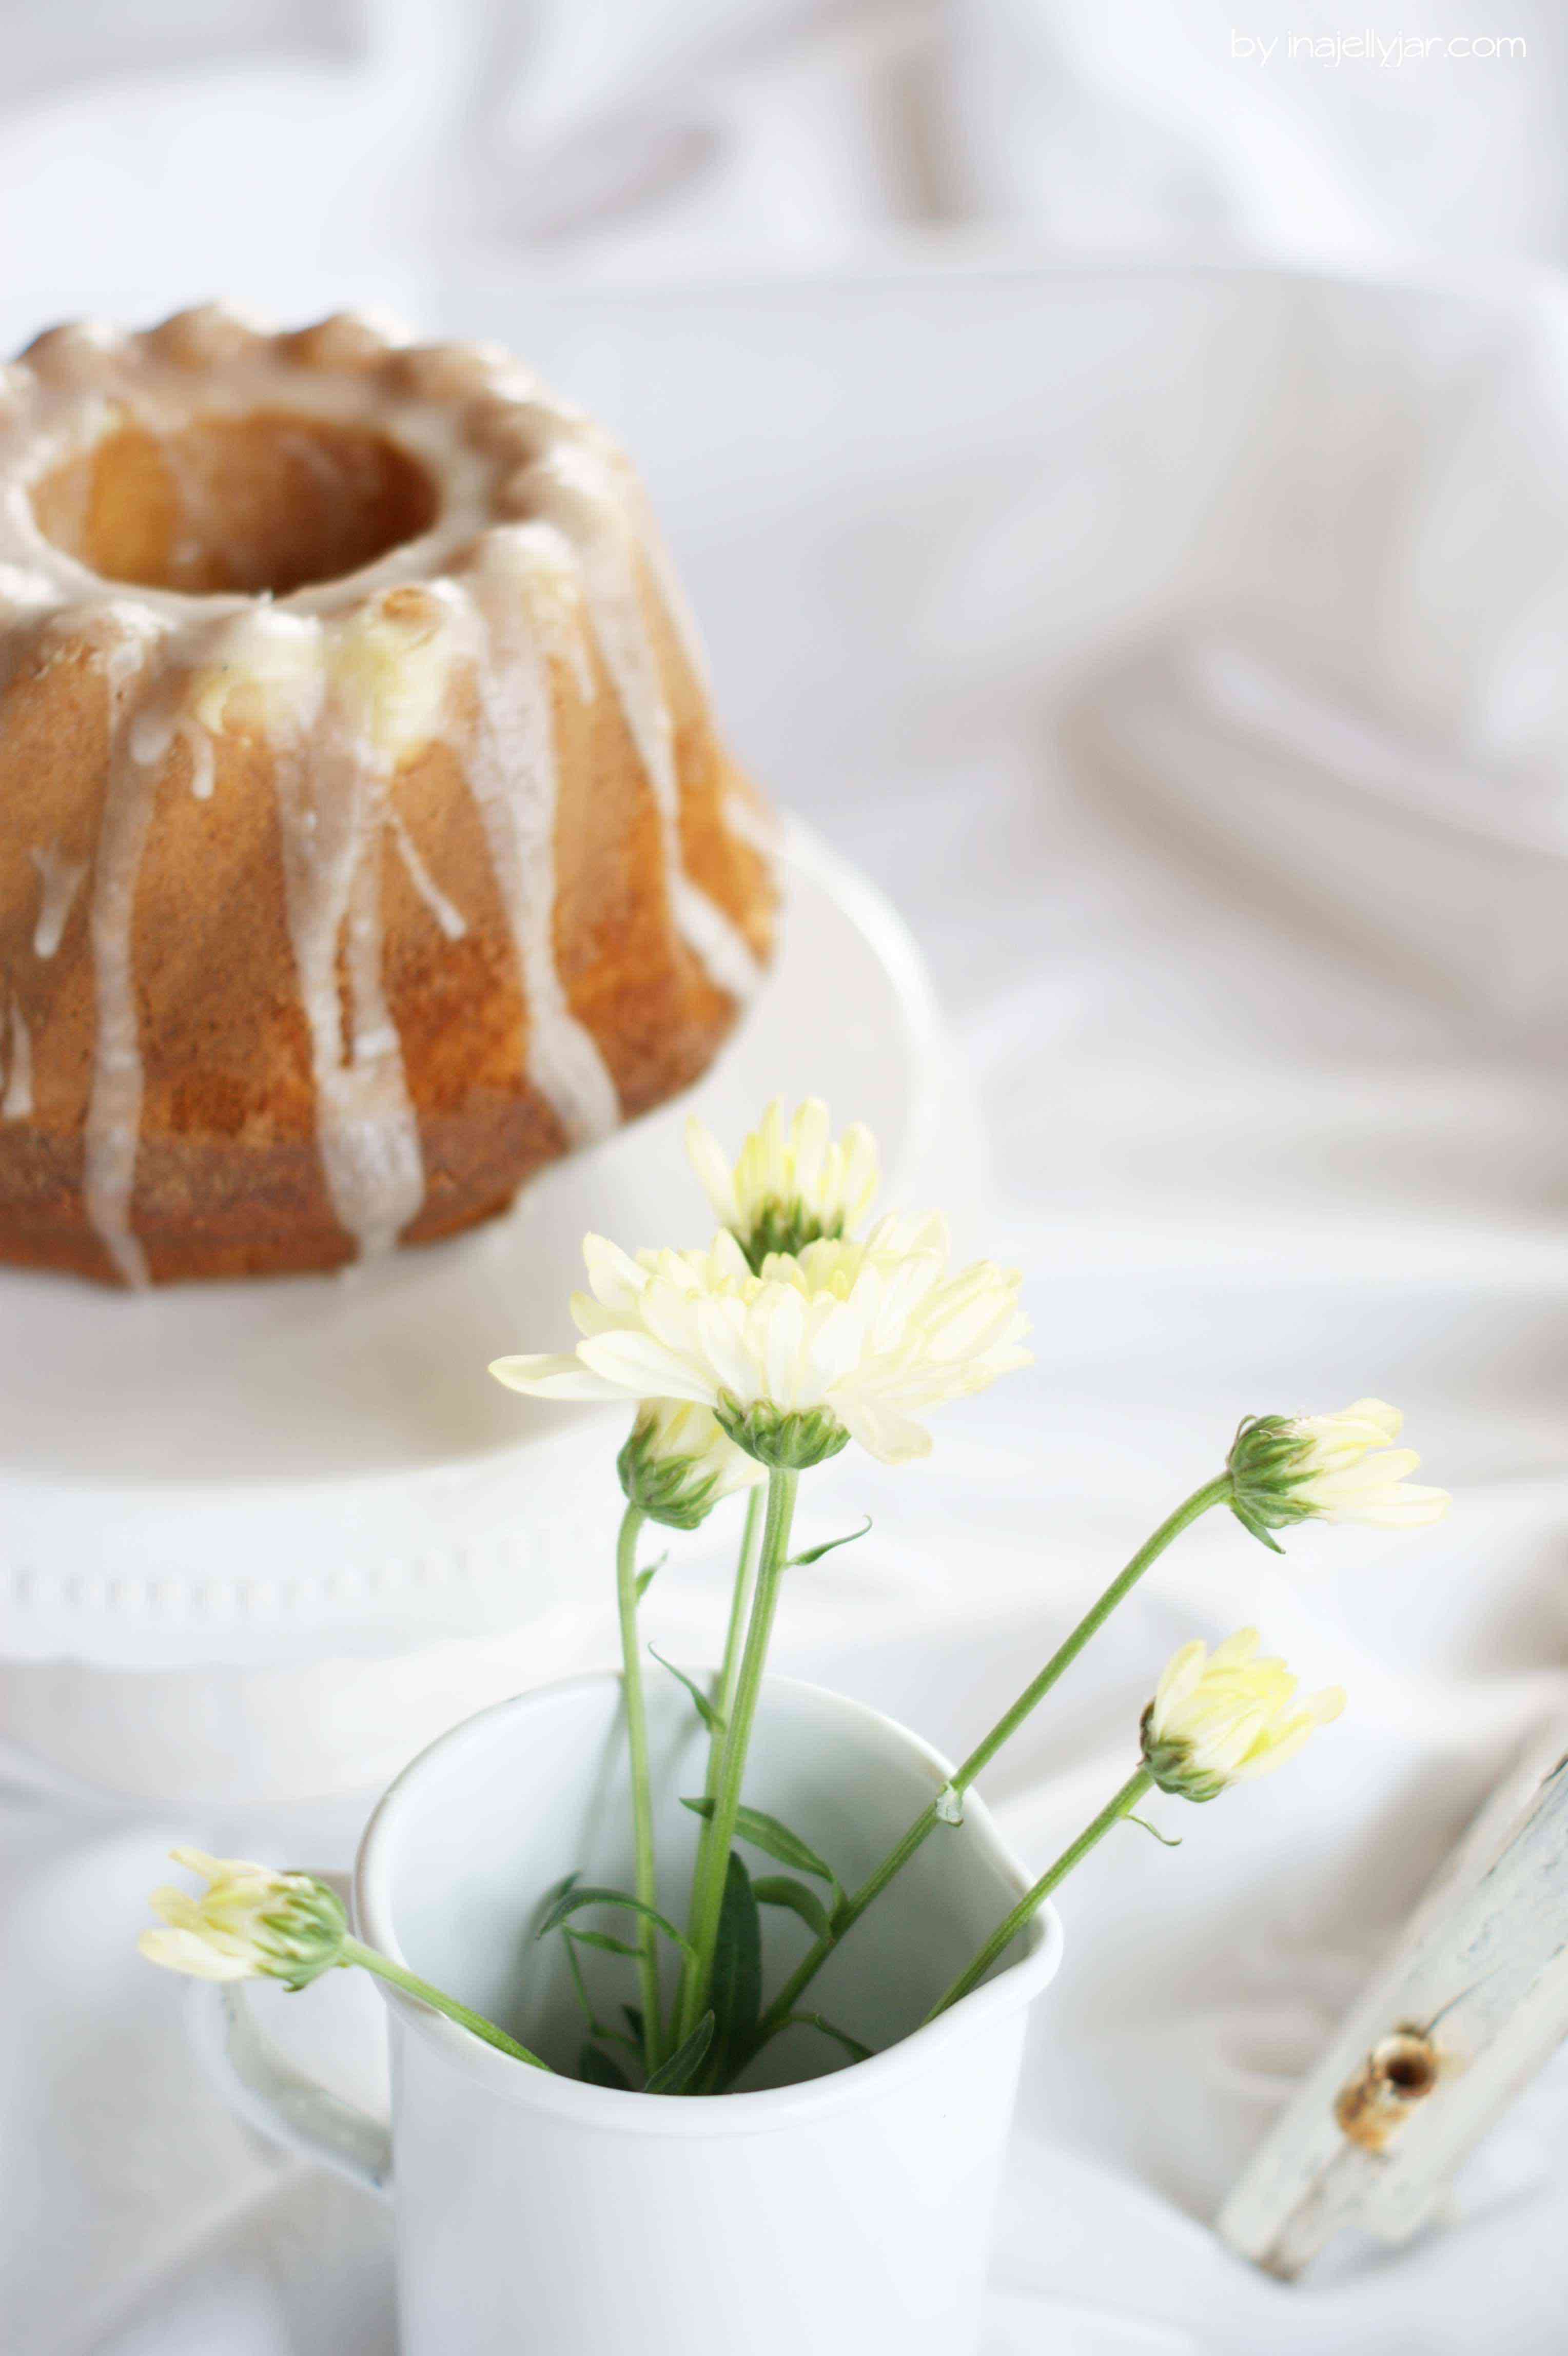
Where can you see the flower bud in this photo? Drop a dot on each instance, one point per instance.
(1219, 1720)
(678, 1464)
(788, 1187)
(1329, 1468)
(250, 1923)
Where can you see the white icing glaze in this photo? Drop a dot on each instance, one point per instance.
(751, 823)
(332, 771)
(203, 753)
(514, 777)
(446, 913)
(347, 680)
(570, 488)
(17, 1100)
(114, 1103)
(60, 879)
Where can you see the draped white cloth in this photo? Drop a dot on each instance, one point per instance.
(1184, 651)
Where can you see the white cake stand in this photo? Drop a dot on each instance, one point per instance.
(250, 1533)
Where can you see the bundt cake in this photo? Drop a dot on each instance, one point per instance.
(365, 840)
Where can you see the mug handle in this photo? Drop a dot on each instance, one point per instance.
(271, 2094)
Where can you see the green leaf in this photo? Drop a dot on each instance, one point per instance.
(815, 1554)
(779, 1889)
(583, 1999)
(645, 1579)
(774, 1839)
(705, 1709)
(736, 1984)
(1166, 1840)
(603, 1940)
(598, 2069)
(556, 1892)
(673, 2077)
(570, 1900)
(852, 2045)
(632, 2013)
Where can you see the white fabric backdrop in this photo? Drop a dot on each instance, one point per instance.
(295, 147)
(1124, 626)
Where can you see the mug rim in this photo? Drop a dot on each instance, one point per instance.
(759, 2111)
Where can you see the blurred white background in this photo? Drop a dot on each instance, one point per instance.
(297, 146)
(1123, 476)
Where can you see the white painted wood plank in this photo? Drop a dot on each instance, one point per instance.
(1472, 2001)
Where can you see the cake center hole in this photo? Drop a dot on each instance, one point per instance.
(263, 504)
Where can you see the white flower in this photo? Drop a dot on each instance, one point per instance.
(844, 1340)
(1217, 1720)
(678, 1464)
(1329, 1468)
(249, 1922)
(788, 1187)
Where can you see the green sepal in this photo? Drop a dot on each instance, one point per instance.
(787, 1439)
(705, 1709)
(306, 1931)
(670, 1490)
(673, 2077)
(1266, 1469)
(1257, 1529)
(785, 1227)
(1170, 1765)
(780, 1890)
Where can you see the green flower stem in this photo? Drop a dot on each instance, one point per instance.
(713, 1854)
(1213, 1492)
(1002, 1938)
(646, 1884)
(355, 1952)
(740, 1611)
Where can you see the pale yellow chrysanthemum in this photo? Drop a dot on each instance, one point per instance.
(788, 1186)
(1329, 1468)
(841, 1341)
(250, 1922)
(1218, 1719)
(679, 1462)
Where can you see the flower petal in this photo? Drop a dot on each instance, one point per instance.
(552, 1377)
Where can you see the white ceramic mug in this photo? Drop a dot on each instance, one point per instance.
(834, 2210)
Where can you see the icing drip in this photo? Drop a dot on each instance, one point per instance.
(568, 487)
(331, 787)
(514, 779)
(203, 758)
(447, 916)
(671, 589)
(17, 1101)
(61, 878)
(114, 1103)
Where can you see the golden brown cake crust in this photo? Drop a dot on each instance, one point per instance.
(329, 918)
